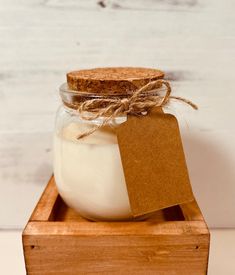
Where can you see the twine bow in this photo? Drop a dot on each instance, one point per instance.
(139, 103)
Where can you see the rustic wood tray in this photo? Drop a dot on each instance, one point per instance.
(57, 240)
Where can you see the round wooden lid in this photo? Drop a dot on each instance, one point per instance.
(116, 80)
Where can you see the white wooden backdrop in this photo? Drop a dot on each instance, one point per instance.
(191, 40)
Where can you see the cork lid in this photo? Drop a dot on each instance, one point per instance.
(115, 80)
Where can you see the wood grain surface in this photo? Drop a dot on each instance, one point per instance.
(193, 41)
(58, 241)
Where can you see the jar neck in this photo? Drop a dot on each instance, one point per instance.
(72, 99)
(102, 106)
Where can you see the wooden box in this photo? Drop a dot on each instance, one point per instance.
(58, 241)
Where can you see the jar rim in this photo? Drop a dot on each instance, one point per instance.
(64, 89)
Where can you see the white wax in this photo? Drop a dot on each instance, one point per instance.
(89, 174)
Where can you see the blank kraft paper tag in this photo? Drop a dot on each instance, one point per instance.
(153, 162)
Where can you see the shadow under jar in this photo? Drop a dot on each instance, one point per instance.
(88, 171)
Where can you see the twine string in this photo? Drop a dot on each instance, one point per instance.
(141, 101)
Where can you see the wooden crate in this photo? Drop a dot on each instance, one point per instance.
(58, 241)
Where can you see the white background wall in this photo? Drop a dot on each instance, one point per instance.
(191, 40)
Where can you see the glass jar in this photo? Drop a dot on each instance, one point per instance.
(88, 171)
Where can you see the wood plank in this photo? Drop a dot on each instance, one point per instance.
(73, 254)
(116, 228)
(189, 6)
(191, 211)
(137, 5)
(47, 203)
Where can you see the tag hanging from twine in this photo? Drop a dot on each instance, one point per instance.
(139, 103)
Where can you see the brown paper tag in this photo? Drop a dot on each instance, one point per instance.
(153, 162)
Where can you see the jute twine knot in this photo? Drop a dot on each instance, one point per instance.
(139, 103)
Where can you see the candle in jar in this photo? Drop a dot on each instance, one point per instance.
(88, 171)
